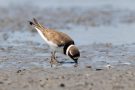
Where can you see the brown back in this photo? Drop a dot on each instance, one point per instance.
(59, 38)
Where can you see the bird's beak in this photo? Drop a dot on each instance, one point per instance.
(76, 62)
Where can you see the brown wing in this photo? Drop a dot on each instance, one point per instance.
(59, 38)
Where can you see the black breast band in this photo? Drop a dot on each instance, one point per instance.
(66, 46)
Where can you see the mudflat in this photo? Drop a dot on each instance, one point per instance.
(103, 34)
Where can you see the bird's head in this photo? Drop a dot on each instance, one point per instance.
(73, 53)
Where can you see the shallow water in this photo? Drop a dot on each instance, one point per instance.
(118, 35)
(109, 41)
(123, 34)
(113, 48)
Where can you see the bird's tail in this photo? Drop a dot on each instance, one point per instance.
(36, 24)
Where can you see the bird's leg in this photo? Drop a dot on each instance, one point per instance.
(51, 62)
(53, 58)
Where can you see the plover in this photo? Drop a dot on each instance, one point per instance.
(57, 41)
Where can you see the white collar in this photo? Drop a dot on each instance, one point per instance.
(68, 49)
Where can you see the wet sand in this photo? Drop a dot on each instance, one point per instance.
(107, 62)
(101, 66)
(67, 78)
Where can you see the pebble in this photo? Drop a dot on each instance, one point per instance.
(18, 71)
(1, 82)
(62, 85)
(88, 66)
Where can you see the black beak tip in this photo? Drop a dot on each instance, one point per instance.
(76, 62)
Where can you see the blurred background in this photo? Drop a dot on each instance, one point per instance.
(95, 25)
(102, 21)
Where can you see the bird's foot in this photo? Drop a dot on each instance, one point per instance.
(76, 65)
(53, 61)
